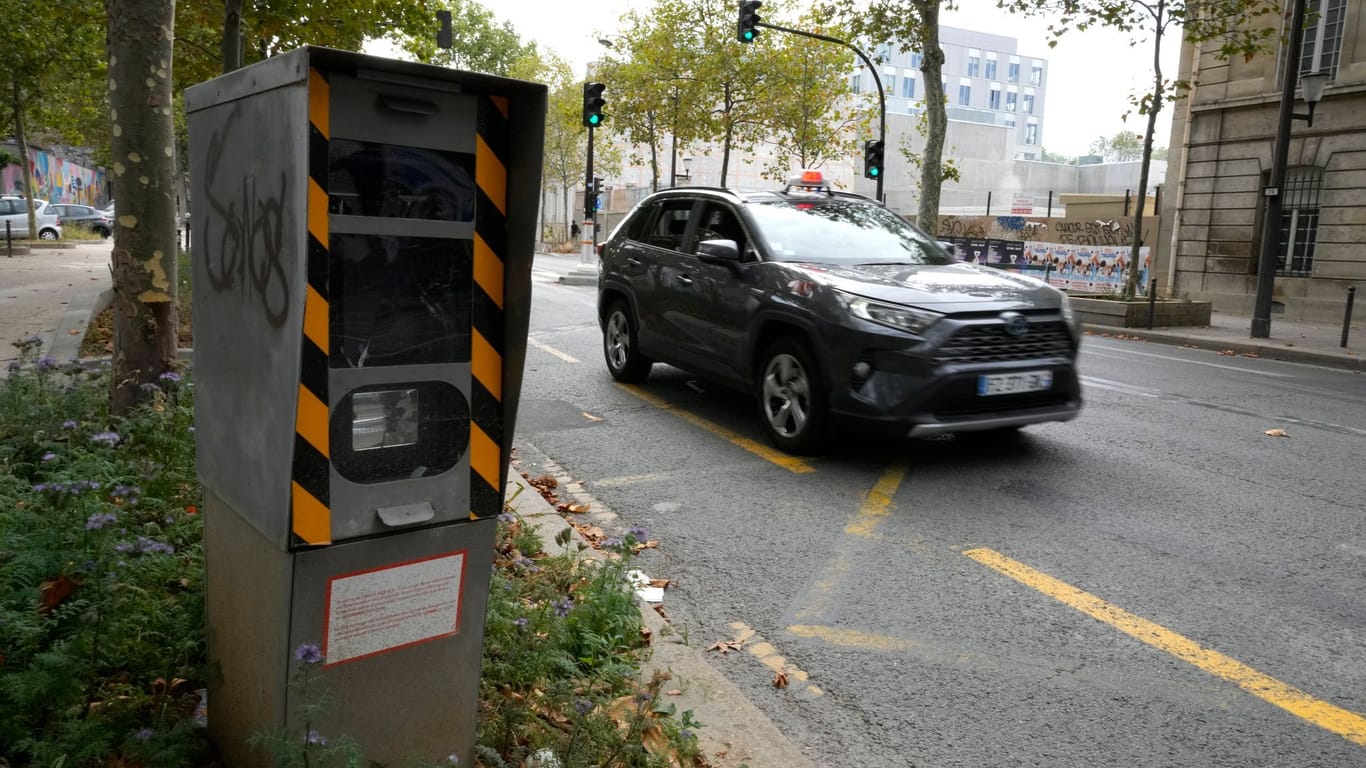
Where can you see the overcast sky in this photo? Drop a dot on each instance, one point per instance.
(1091, 74)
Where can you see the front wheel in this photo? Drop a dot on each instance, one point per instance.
(47, 234)
(792, 405)
(620, 348)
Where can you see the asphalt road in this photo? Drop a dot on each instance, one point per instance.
(1157, 583)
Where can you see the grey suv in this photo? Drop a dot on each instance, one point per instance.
(824, 304)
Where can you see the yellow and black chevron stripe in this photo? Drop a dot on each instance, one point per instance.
(311, 513)
(486, 338)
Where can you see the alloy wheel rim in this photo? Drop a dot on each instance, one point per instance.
(786, 396)
(618, 340)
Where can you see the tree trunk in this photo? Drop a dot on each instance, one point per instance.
(24, 173)
(232, 35)
(1131, 279)
(143, 159)
(567, 191)
(932, 164)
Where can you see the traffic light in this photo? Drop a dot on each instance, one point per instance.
(597, 193)
(872, 159)
(593, 103)
(749, 21)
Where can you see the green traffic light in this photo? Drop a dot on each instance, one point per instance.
(594, 119)
(874, 171)
(749, 34)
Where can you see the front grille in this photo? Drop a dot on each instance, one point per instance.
(968, 406)
(991, 344)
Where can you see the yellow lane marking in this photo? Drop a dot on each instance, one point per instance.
(568, 358)
(819, 601)
(790, 463)
(1345, 723)
(849, 638)
(878, 502)
(762, 650)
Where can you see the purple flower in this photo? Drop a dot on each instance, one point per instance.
(453, 759)
(110, 439)
(315, 738)
(520, 622)
(308, 653)
(14, 366)
(563, 607)
(45, 364)
(611, 542)
(583, 706)
(49, 456)
(40, 487)
(506, 518)
(70, 424)
(640, 534)
(169, 376)
(99, 520)
(153, 547)
(123, 491)
(145, 734)
(123, 547)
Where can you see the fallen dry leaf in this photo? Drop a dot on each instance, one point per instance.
(780, 679)
(673, 692)
(1228, 353)
(55, 591)
(725, 646)
(1251, 354)
(646, 634)
(1277, 433)
(661, 583)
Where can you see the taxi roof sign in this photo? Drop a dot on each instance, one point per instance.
(810, 179)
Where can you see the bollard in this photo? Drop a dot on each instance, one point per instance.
(1152, 301)
(9, 240)
(1347, 317)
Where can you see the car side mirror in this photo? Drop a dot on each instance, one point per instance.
(719, 251)
(948, 247)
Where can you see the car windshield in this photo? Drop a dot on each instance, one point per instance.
(842, 231)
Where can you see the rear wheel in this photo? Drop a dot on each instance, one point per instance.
(620, 348)
(792, 405)
(102, 231)
(47, 234)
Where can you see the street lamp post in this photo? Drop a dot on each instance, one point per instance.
(1271, 226)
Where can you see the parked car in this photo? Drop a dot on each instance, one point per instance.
(85, 217)
(14, 212)
(827, 306)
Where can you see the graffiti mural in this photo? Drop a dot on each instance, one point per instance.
(56, 180)
(1080, 256)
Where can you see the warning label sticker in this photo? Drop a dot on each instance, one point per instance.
(383, 609)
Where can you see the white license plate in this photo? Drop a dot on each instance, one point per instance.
(1011, 383)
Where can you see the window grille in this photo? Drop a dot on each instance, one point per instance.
(1299, 221)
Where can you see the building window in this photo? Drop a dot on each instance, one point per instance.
(1013, 72)
(908, 86)
(964, 92)
(1036, 74)
(889, 83)
(1029, 102)
(1322, 36)
(915, 61)
(991, 67)
(1299, 221)
(854, 84)
(974, 62)
(994, 98)
(1032, 133)
(1010, 100)
(1010, 122)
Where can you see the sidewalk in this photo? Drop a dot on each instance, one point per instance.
(51, 293)
(1292, 341)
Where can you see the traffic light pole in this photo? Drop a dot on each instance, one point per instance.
(589, 215)
(881, 97)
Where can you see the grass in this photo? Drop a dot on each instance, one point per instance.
(102, 636)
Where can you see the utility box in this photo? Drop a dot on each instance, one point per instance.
(362, 248)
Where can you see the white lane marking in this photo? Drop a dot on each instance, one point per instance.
(1117, 386)
(1191, 362)
(551, 350)
(616, 482)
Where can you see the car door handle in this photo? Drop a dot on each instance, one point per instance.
(684, 279)
(633, 262)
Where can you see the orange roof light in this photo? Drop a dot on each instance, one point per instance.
(812, 177)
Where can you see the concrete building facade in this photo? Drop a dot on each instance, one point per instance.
(1223, 138)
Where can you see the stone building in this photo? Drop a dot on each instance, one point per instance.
(1222, 140)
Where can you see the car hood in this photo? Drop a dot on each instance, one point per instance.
(935, 284)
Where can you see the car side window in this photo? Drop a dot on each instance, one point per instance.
(719, 222)
(6, 207)
(670, 225)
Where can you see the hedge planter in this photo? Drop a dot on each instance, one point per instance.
(1167, 313)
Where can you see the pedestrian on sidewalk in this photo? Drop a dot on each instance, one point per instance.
(574, 230)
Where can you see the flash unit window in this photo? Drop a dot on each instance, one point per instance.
(386, 419)
(400, 431)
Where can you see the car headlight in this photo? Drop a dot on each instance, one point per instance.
(916, 321)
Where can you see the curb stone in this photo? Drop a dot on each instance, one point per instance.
(734, 732)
